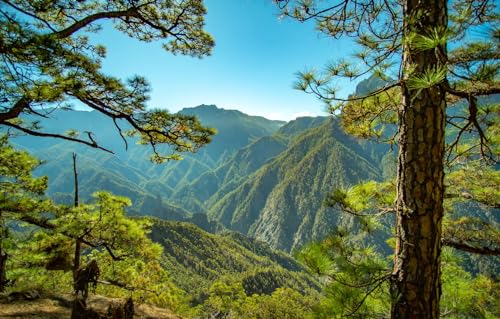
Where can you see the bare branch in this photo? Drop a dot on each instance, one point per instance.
(120, 131)
(315, 91)
(59, 136)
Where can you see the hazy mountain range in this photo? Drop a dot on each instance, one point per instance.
(263, 178)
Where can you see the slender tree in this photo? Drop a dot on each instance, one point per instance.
(47, 61)
(78, 242)
(435, 53)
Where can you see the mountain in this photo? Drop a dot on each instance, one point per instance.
(234, 130)
(129, 172)
(281, 202)
(263, 178)
(369, 85)
(195, 259)
(208, 188)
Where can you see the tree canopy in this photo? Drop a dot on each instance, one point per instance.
(439, 63)
(49, 61)
(469, 72)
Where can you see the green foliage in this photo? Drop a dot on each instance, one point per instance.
(224, 300)
(355, 279)
(475, 181)
(363, 196)
(354, 273)
(373, 116)
(128, 260)
(48, 61)
(21, 193)
(195, 259)
(282, 303)
(281, 202)
(429, 78)
(471, 199)
(230, 301)
(21, 198)
(41, 240)
(434, 38)
(465, 296)
(141, 278)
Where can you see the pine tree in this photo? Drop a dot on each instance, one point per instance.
(21, 196)
(48, 61)
(38, 237)
(437, 58)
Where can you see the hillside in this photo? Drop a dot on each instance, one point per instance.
(281, 203)
(129, 172)
(196, 259)
(263, 178)
(207, 189)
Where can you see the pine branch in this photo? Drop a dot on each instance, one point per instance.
(34, 16)
(466, 94)
(131, 12)
(460, 245)
(368, 293)
(469, 196)
(316, 91)
(46, 224)
(16, 110)
(472, 120)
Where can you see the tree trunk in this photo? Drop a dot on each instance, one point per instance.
(3, 256)
(78, 242)
(416, 285)
(3, 269)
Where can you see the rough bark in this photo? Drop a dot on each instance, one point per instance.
(416, 286)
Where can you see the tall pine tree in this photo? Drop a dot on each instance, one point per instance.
(438, 52)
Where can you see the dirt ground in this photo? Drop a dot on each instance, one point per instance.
(49, 306)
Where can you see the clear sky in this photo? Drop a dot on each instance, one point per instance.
(252, 67)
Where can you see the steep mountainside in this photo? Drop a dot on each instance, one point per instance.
(258, 177)
(281, 203)
(130, 173)
(208, 188)
(234, 130)
(195, 259)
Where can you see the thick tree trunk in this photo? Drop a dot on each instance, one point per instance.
(416, 286)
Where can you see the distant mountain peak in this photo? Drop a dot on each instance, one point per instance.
(204, 111)
(207, 107)
(200, 108)
(373, 83)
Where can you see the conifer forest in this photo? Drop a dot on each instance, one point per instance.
(265, 159)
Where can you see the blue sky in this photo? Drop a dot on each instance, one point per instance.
(251, 69)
